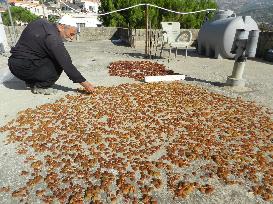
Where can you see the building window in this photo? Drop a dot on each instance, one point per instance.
(91, 8)
(81, 25)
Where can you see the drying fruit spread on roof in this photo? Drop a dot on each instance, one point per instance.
(137, 69)
(128, 142)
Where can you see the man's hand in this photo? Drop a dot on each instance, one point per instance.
(88, 86)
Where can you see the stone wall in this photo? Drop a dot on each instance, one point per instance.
(3, 40)
(9, 33)
(265, 43)
(100, 33)
(136, 37)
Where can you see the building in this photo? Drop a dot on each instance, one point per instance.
(68, 7)
(2, 8)
(34, 7)
(91, 6)
(86, 20)
(83, 11)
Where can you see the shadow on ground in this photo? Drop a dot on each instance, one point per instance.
(213, 83)
(192, 52)
(119, 42)
(17, 84)
(141, 55)
(261, 60)
(63, 88)
(165, 54)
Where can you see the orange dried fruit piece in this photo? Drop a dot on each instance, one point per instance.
(77, 199)
(154, 201)
(21, 192)
(37, 165)
(207, 189)
(157, 183)
(24, 173)
(267, 196)
(34, 181)
(40, 193)
(4, 189)
(22, 151)
(185, 189)
(88, 193)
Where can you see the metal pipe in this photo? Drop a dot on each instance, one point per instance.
(236, 78)
(12, 24)
(239, 47)
(43, 8)
(147, 27)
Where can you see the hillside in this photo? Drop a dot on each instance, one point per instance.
(260, 10)
(234, 5)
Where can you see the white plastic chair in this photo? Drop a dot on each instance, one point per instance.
(172, 37)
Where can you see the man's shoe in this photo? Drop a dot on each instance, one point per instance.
(45, 91)
(29, 85)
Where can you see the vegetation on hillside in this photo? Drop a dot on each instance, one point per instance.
(261, 15)
(19, 15)
(135, 17)
(259, 10)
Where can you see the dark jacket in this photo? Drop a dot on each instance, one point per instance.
(41, 39)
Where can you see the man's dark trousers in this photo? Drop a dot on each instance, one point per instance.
(41, 73)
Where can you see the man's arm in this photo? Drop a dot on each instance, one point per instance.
(58, 52)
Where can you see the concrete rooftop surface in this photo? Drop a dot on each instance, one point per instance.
(92, 59)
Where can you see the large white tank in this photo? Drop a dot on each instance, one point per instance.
(215, 38)
(3, 39)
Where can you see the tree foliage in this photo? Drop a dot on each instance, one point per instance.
(19, 14)
(53, 18)
(135, 17)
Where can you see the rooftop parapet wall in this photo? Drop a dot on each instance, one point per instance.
(138, 35)
(99, 33)
(110, 33)
(265, 43)
(9, 32)
(102, 33)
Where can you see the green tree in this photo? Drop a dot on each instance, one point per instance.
(19, 14)
(135, 17)
(53, 18)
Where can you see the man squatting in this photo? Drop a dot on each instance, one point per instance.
(39, 57)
